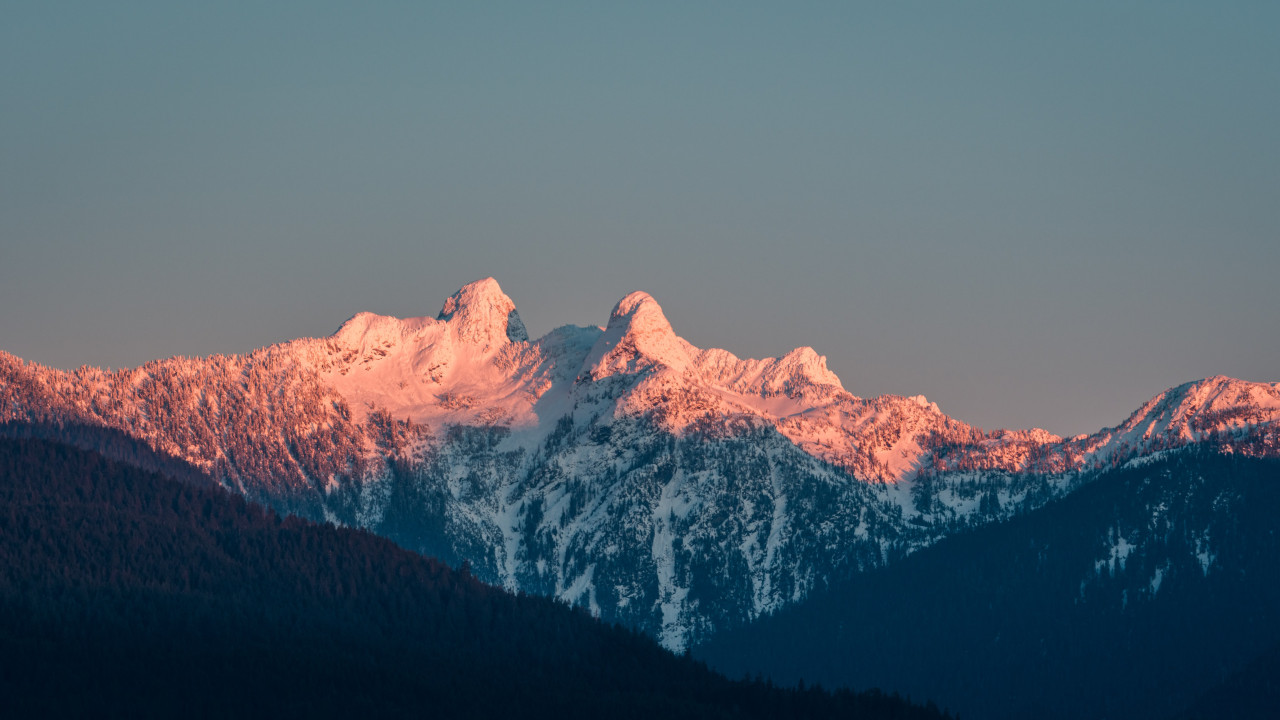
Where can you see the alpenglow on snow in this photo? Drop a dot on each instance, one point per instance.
(676, 489)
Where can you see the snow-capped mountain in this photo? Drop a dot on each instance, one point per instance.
(620, 467)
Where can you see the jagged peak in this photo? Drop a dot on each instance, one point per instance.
(808, 358)
(639, 312)
(482, 314)
(637, 336)
(803, 363)
(924, 402)
(365, 326)
(803, 355)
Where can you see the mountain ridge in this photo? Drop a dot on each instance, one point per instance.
(124, 592)
(617, 467)
(1128, 598)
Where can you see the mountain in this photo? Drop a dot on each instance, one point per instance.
(674, 489)
(1133, 597)
(126, 594)
(1250, 694)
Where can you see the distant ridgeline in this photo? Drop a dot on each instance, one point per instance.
(678, 490)
(125, 593)
(1151, 592)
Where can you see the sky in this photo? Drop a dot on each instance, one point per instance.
(1035, 214)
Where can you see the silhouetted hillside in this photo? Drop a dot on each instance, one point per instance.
(1128, 598)
(123, 593)
(1251, 694)
(111, 444)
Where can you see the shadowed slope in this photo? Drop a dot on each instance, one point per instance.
(122, 592)
(1125, 599)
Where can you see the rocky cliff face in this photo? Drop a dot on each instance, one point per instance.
(678, 489)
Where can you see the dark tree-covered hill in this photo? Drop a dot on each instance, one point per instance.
(1251, 694)
(110, 443)
(1127, 599)
(125, 593)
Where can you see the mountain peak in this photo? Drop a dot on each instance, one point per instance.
(801, 372)
(639, 312)
(481, 313)
(638, 336)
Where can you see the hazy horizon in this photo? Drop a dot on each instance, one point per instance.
(1034, 216)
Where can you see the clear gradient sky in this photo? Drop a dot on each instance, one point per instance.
(1034, 213)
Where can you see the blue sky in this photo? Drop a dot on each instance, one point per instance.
(1033, 213)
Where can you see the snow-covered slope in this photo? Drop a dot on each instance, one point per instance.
(679, 489)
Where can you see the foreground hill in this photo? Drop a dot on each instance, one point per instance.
(1250, 694)
(677, 489)
(1130, 598)
(126, 593)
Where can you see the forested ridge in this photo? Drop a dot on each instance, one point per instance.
(123, 592)
(1130, 598)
